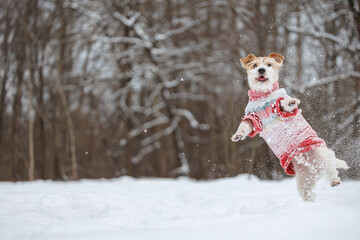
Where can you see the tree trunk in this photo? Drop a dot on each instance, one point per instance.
(58, 172)
(4, 65)
(44, 162)
(31, 117)
(60, 90)
(299, 51)
(16, 123)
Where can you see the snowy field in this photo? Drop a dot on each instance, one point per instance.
(126, 208)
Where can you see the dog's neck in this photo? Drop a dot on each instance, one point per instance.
(258, 94)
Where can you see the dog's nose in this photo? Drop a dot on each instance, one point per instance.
(261, 70)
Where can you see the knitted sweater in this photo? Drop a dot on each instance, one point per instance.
(287, 134)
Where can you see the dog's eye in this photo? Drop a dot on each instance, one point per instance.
(255, 65)
(269, 65)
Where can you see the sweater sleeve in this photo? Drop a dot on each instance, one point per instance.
(281, 113)
(255, 119)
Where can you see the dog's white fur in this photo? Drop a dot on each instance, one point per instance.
(309, 166)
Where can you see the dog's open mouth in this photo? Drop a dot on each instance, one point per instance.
(261, 78)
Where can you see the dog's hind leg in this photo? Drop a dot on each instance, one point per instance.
(305, 184)
(329, 160)
(305, 179)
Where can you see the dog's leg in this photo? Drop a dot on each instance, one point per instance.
(329, 160)
(305, 178)
(305, 183)
(244, 129)
(289, 104)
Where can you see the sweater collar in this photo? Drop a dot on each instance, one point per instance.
(255, 95)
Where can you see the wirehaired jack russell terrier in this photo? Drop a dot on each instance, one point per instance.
(276, 117)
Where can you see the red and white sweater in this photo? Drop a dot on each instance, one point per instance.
(287, 134)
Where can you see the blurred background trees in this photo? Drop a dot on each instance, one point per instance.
(92, 89)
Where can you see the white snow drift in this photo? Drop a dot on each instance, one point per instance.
(126, 208)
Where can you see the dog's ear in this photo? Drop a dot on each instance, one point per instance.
(247, 60)
(277, 57)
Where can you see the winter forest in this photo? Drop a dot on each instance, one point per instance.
(155, 88)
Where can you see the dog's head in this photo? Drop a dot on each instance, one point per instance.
(262, 71)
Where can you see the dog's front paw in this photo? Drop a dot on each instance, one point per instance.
(294, 102)
(236, 137)
(243, 130)
(289, 104)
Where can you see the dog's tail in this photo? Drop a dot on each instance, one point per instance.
(341, 164)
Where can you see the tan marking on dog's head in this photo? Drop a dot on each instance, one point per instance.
(247, 60)
(278, 58)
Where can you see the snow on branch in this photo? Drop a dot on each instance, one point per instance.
(129, 22)
(142, 34)
(333, 16)
(330, 79)
(184, 168)
(146, 150)
(124, 107)
(155, 109)
(154, 95)
(349, 120)
(166, 83)
(340, 140)
(147, 125)
(131, 40)
(190, 96)
(182, 29)
(171, 51)
(340, 111)
(190, 117)
(167, 131)
(149, 110)
(183, 66)
(316, 34)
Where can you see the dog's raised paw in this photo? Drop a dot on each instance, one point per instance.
(236, 137)
(294, 102)
(335, 183)
(291, 103)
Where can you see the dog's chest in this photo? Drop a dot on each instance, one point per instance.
(264, 108)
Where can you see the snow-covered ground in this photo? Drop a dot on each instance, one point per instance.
(126, 208)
